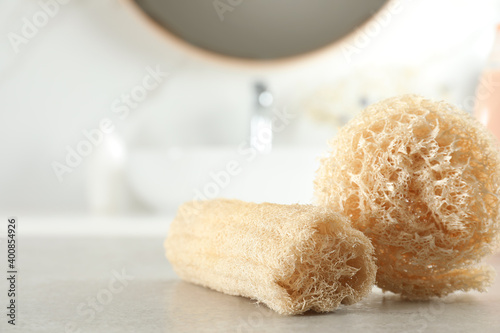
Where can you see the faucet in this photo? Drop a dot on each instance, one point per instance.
(261, 127)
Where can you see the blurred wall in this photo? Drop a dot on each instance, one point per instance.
(71, 74)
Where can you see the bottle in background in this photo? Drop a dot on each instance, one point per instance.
(487, 105)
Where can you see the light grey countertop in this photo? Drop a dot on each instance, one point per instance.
(124, 284)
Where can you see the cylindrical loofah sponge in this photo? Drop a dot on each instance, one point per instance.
(421, 180)
(292, 258)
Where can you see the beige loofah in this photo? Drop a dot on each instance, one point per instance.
(421, 180)
(292, 258)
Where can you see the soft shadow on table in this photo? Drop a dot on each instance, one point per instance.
(195, 308)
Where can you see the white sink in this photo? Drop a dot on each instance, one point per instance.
(163, 179)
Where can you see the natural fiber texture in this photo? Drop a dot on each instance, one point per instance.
(421, 180)
(292, 258)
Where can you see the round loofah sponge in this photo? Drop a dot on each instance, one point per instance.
(421, 180)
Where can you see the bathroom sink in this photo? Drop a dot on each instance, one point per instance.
(163, 179)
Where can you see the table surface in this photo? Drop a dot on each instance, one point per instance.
(124, 284)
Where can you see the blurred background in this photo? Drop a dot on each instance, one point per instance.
(129, 107)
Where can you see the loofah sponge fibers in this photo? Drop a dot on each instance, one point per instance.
(293, 258)
(421, 180)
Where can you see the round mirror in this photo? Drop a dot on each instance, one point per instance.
(259, 29)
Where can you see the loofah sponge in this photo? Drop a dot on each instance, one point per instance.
(421, 180)
(292, 258)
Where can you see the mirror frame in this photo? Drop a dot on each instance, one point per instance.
(225, 60)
